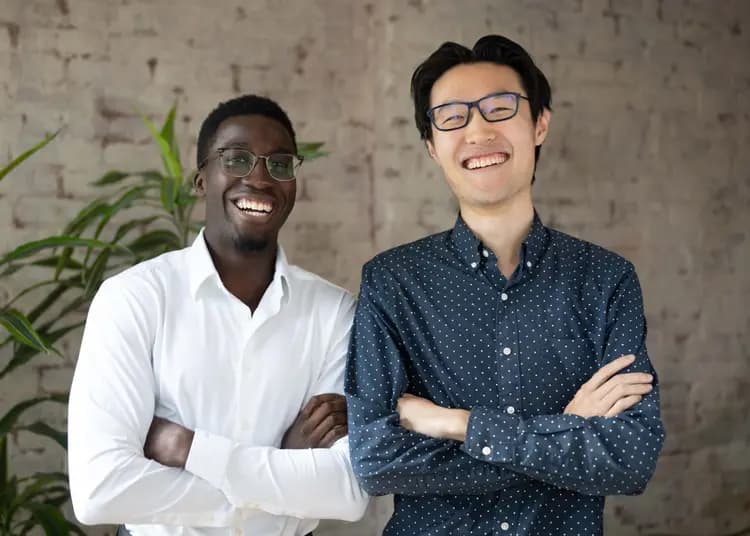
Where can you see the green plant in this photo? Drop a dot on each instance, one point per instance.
(36, 500)
(140, 215)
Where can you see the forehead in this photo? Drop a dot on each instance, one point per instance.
(472, 81)
(256, 132)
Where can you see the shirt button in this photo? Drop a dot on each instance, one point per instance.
(486, 451)
(510, 410)
(473, 265)
(504, 296)
(528, 263)
(505, 525)
(507, 351)
(485, 253)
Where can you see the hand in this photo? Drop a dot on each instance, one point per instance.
(607, 393)
(319, 425)
(425, 417)
(168, 443)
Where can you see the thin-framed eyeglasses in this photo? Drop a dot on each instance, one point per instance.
(493, 108)
(237, 162)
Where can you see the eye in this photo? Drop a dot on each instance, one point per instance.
(237, 160)
(499, 109)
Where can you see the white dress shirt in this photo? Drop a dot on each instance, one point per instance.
(166, 338)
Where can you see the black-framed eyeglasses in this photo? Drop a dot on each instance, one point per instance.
(493, 108)
(238, 163)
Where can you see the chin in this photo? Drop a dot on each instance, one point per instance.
(249, 244)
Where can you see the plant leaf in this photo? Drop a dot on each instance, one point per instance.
(23, 354)
(50, 518)
(32, 316)
(30, 248)
(168, 193)
(111, 177)
(26, 154)
(22, 331)
(125, 228)
(123, 202)
(171, 163)
(54, 262)
(158, 240)
(167, 132)
(10, 418)
(84, 218)
(310, 150)
(95, 274)
(3, 466)
(43, 429)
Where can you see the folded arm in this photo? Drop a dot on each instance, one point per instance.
(111, 406)
(386, 457)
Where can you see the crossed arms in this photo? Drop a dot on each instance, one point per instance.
(112, 405)
(605, 442)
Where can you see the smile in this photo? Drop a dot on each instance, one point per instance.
(253, 206)
(484, 161)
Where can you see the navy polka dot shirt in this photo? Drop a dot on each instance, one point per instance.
(436, 318)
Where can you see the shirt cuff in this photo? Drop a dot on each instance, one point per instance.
(208, 457)
(491, 436)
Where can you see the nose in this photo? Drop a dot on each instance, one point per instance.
(259, 176)
(479, 130)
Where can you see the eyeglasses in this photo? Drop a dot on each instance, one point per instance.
(493, 108)
(240, 163)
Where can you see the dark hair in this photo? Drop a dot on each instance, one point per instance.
(244, 105)
(490, 48)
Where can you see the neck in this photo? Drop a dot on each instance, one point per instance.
(502, 228)
(245, 274)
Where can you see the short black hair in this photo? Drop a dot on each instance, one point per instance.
(490, 48)
(244, 105)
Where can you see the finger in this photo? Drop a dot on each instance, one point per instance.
(316, 435)
(609, 370)
(317, 400)
(628, 378)
(333, 435)
(320, 413)
(623, 404)
(331, 421)
(623, 391)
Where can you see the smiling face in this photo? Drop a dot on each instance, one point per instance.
(246, 214)
(486, 164)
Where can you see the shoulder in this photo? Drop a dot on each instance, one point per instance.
(392, 264)
(317, 291)
(148, 280)
(589, 259)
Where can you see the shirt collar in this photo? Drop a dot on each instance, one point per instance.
(201, 268)
(536, 243)
(469, 247)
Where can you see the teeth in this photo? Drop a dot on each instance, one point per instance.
(255, 206)
(485, 161)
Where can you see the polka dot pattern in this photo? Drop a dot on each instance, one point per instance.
(436, 318)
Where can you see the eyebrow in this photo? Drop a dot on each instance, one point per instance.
(232, 144)
(456, 101)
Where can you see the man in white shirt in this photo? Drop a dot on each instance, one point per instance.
(207, 394)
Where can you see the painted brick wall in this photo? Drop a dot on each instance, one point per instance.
(648, 155)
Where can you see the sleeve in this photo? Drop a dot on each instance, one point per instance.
(111, 407)
(386, 457)
(304, 483)
(595, 456)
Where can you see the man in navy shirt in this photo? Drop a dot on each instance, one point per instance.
(498, 380)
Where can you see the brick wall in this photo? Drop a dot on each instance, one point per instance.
(648, 155)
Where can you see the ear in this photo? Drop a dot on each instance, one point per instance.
(431, 150)
(199, 183)
(542, 126)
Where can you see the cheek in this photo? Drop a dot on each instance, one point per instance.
(445, 147)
